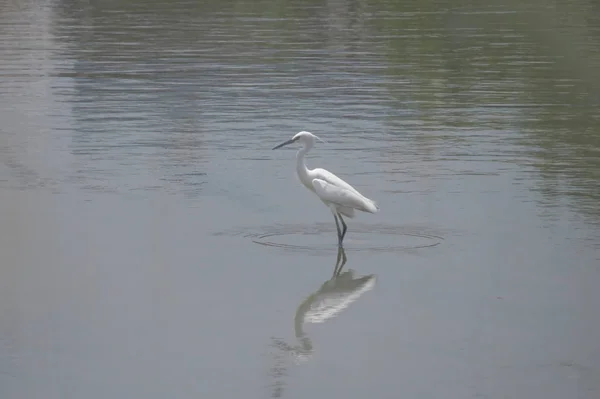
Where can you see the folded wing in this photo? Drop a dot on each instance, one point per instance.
(343, 196)
(333, 179)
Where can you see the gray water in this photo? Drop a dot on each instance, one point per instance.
(153, 245)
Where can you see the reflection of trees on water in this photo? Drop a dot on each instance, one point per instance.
(327, 302)
(523, 74)
(169, 86)
(526, 74)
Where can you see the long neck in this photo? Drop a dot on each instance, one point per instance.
(301, 167)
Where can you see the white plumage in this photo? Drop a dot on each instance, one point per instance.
(339, 196)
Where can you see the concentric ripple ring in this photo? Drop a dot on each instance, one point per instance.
(321, 237)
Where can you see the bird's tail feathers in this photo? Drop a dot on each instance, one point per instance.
(374, 208)
(368, 204)
(375, 204)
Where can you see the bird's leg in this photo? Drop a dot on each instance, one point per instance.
(344, 226)
(339, 231)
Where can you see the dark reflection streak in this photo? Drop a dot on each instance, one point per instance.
(338, 267)
(328, 301)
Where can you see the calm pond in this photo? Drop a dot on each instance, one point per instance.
(152, 244)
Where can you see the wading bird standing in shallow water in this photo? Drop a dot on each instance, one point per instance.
(340, 197)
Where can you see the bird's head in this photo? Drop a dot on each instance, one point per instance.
(305, 138)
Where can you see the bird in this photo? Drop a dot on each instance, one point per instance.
(339, 196)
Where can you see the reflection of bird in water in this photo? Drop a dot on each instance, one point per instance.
(328, 301)
(339, 196)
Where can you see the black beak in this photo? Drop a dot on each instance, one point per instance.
(282, 144)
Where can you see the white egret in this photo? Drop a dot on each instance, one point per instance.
(340, 197)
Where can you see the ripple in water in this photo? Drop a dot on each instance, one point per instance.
(322, 237)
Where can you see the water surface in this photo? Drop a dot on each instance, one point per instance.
(153, 245)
